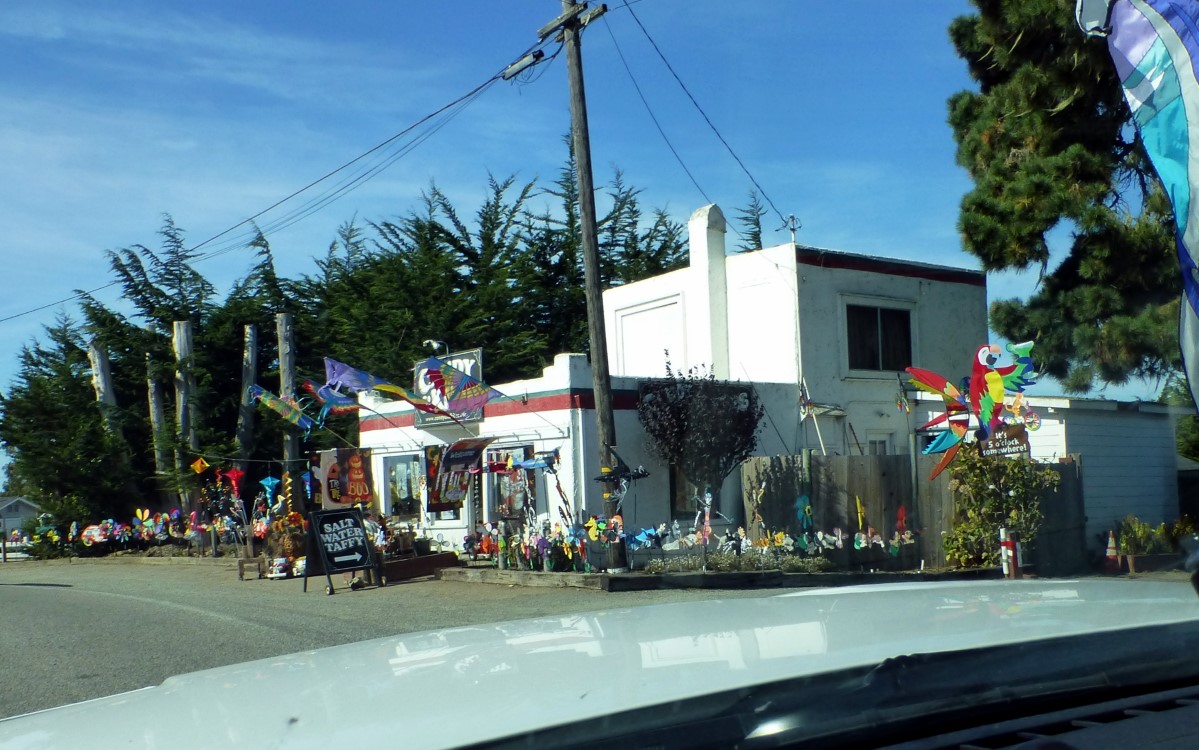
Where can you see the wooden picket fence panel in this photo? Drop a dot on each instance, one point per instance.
(885, 484)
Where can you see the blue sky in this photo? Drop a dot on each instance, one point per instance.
(113, 114)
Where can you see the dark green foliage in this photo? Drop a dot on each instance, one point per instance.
(750, 219)
(995, 492)
(61, 454)
(704, 426)
(1048, 142)
(1186, 432)
(507, 280)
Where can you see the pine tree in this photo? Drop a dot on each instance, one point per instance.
(53, 430)
(750, 219)
(1048, 141)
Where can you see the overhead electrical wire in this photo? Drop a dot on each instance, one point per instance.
(700, 109)
(650, 111)
(377, 159)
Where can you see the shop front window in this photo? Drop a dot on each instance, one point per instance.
(403, 474)
(512, 490)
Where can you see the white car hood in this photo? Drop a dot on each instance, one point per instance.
(465, 685)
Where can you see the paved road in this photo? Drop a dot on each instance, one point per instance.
(74, 631)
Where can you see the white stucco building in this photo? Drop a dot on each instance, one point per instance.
(842, 325)
(786, 320)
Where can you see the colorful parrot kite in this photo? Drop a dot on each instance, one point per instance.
(956, 416)
(988, 384)
(460, 392)
(981, 396)
(1155, 47)
(288, 408)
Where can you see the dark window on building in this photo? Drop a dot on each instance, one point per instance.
(880, 338)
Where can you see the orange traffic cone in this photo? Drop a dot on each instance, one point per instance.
(1112, 563)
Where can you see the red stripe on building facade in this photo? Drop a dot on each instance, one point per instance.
(561, 401)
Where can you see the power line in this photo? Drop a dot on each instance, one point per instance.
(320, 201)
(649, 110)
(702, 113)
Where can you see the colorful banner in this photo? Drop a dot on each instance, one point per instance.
(1154, 45)
(344, 478)
(453, 476)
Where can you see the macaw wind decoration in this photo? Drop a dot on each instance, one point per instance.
(460, 392)
(288, 407)
(982, 396)
(339, 375)
(1155, 47)
(988, 384)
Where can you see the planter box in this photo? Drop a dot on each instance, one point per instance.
(416, 567)
(1147, 563)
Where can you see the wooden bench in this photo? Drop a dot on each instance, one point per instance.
(258, 563)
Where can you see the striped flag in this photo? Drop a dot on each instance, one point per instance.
(1155, 46)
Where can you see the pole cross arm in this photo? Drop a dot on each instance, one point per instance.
(567, 16)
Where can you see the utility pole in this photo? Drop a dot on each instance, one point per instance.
(572, 20)
(581, 139)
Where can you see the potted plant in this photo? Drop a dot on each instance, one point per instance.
(1145, 547)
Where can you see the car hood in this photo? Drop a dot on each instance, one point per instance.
(459, 686)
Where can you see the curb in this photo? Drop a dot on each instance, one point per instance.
(767, 579)
(229, 563)
(595, 581)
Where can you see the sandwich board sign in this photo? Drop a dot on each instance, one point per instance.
(339, 537)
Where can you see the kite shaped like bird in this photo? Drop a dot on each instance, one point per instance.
(956, 416)
(988, 384)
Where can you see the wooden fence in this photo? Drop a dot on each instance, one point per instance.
(884, 485)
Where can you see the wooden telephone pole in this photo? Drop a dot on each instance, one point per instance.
(574, 17)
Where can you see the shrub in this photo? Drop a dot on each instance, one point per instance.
(1181, 529)
(994, 493)
(1137, 537)
(797, 564)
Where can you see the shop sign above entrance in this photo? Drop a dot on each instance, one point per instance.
(469, 362)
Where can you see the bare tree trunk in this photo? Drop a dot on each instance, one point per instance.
(287, 388)
(158, 420)
(102, 383)
(184, 386)
(245, 412)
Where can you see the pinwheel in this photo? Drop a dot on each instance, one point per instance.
(92, 535)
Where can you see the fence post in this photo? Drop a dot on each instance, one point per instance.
(1009, 553)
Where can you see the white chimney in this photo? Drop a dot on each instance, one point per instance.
(707, 307)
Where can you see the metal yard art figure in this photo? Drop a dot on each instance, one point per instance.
(1154, 45)
(981, 396)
